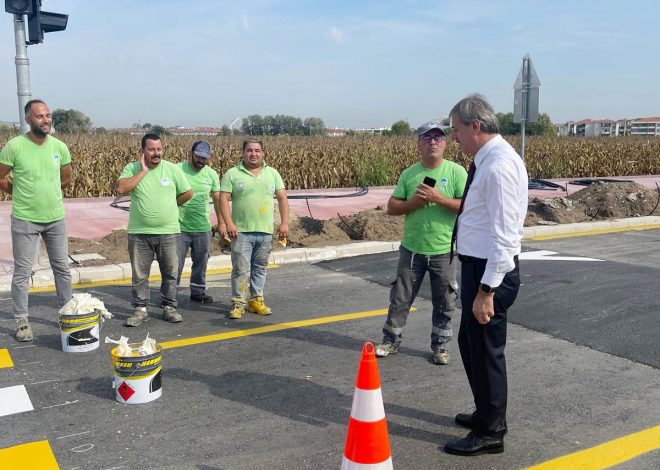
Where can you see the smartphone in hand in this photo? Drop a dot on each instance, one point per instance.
(428, 181)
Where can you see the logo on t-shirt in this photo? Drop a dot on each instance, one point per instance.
(271, 189)
(57, 160)
(241, 186)
(443, 181)
(207, 182)
(164, 181)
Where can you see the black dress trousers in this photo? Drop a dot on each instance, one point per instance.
(482, 346)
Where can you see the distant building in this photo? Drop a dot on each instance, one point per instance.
(649, 126)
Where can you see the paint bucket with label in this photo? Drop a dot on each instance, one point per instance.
(137, 378)
(80, 333)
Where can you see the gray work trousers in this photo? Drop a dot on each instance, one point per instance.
(24, 239)
(141, 251)
(200, 248)
(444, 293)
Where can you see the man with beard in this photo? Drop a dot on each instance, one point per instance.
(251, 186)
(195, 221)
(157, 187)
(41, 165)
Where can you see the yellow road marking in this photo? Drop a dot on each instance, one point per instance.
(270, 328)
(32, 455)
(607, 454)
(5, 359)
(594, 232)
(127, 282)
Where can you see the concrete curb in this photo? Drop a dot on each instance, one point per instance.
(43, 278)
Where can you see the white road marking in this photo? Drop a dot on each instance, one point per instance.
(83, 448)
(60, 404)
(72, 435)
(545, 255)
(14, 400)
(44, 382)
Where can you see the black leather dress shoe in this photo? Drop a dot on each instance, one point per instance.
(467, 420)
(475, 444)
(202, 299)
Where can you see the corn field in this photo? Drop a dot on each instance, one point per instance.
(333, 162)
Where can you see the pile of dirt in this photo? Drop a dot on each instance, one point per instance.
(600, 200)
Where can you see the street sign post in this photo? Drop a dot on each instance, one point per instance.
(526, 98)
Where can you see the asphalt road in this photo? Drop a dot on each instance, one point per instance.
(582, 355)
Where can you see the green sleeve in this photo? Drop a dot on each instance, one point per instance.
(225, 184)
(279, 183)
(129, 170)
(7, 155)
(400, 189)
(65, 154)
(182, 183)
(215, 181)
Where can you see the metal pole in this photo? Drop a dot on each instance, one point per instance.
(22, 70)
(525, 99)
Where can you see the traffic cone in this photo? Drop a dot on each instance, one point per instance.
(367, 444)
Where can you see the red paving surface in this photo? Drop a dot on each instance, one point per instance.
(94, 218)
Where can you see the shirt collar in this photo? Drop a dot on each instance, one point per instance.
(242, 167)
(485, 148)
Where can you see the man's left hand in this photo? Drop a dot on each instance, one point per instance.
(427, 193)
(283, 231)
(482, 307)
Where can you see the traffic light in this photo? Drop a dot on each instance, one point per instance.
(18, 7)
(40, 22)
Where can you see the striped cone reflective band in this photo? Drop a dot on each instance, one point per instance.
(367, 443)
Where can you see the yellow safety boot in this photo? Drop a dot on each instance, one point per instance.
(258, 306)
(236, 311)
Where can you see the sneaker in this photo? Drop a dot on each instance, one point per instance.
(139, 316)
(202, 299)
(258, 306)
(441, 357)
(236, 311)
(386, 349)
(171, 315)
(24, 330)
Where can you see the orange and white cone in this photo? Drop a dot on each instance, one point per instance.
(367, 443)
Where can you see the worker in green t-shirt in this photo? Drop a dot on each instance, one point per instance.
(251, 186)
(41, 167)
(428, 194)
(157, 188)
(194, 218)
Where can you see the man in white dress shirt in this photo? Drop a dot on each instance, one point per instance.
(488, 234)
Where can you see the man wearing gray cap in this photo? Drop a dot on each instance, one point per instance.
(428, 194)
(194, 218)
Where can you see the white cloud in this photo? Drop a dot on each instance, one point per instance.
(336, 34)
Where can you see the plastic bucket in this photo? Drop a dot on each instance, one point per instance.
(80, 333)
(137, 378)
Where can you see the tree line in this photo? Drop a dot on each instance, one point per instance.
(281, 124)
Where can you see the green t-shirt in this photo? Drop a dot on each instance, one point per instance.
(194, 214)
(428, 230)
(37, 191)
(252, 197)
(153, 201)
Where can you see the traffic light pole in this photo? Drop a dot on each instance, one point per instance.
(22, 70)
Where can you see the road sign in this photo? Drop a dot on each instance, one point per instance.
(532, 105)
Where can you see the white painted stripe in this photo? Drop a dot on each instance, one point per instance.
(349, 465)
(14, 400)
(367, 405)
(545, 255)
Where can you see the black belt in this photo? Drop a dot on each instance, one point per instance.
(473, 259)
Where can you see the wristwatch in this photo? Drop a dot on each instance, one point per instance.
(486, 289)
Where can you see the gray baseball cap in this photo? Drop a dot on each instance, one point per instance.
(201, 149)
(429, 126)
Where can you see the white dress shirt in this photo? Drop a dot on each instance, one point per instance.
(491, 224)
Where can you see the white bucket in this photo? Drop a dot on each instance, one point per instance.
(80, 333)
(137, 378)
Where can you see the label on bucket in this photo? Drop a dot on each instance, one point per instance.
(80, 339)
(139, 390)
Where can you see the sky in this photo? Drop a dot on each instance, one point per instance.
(353, 63)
